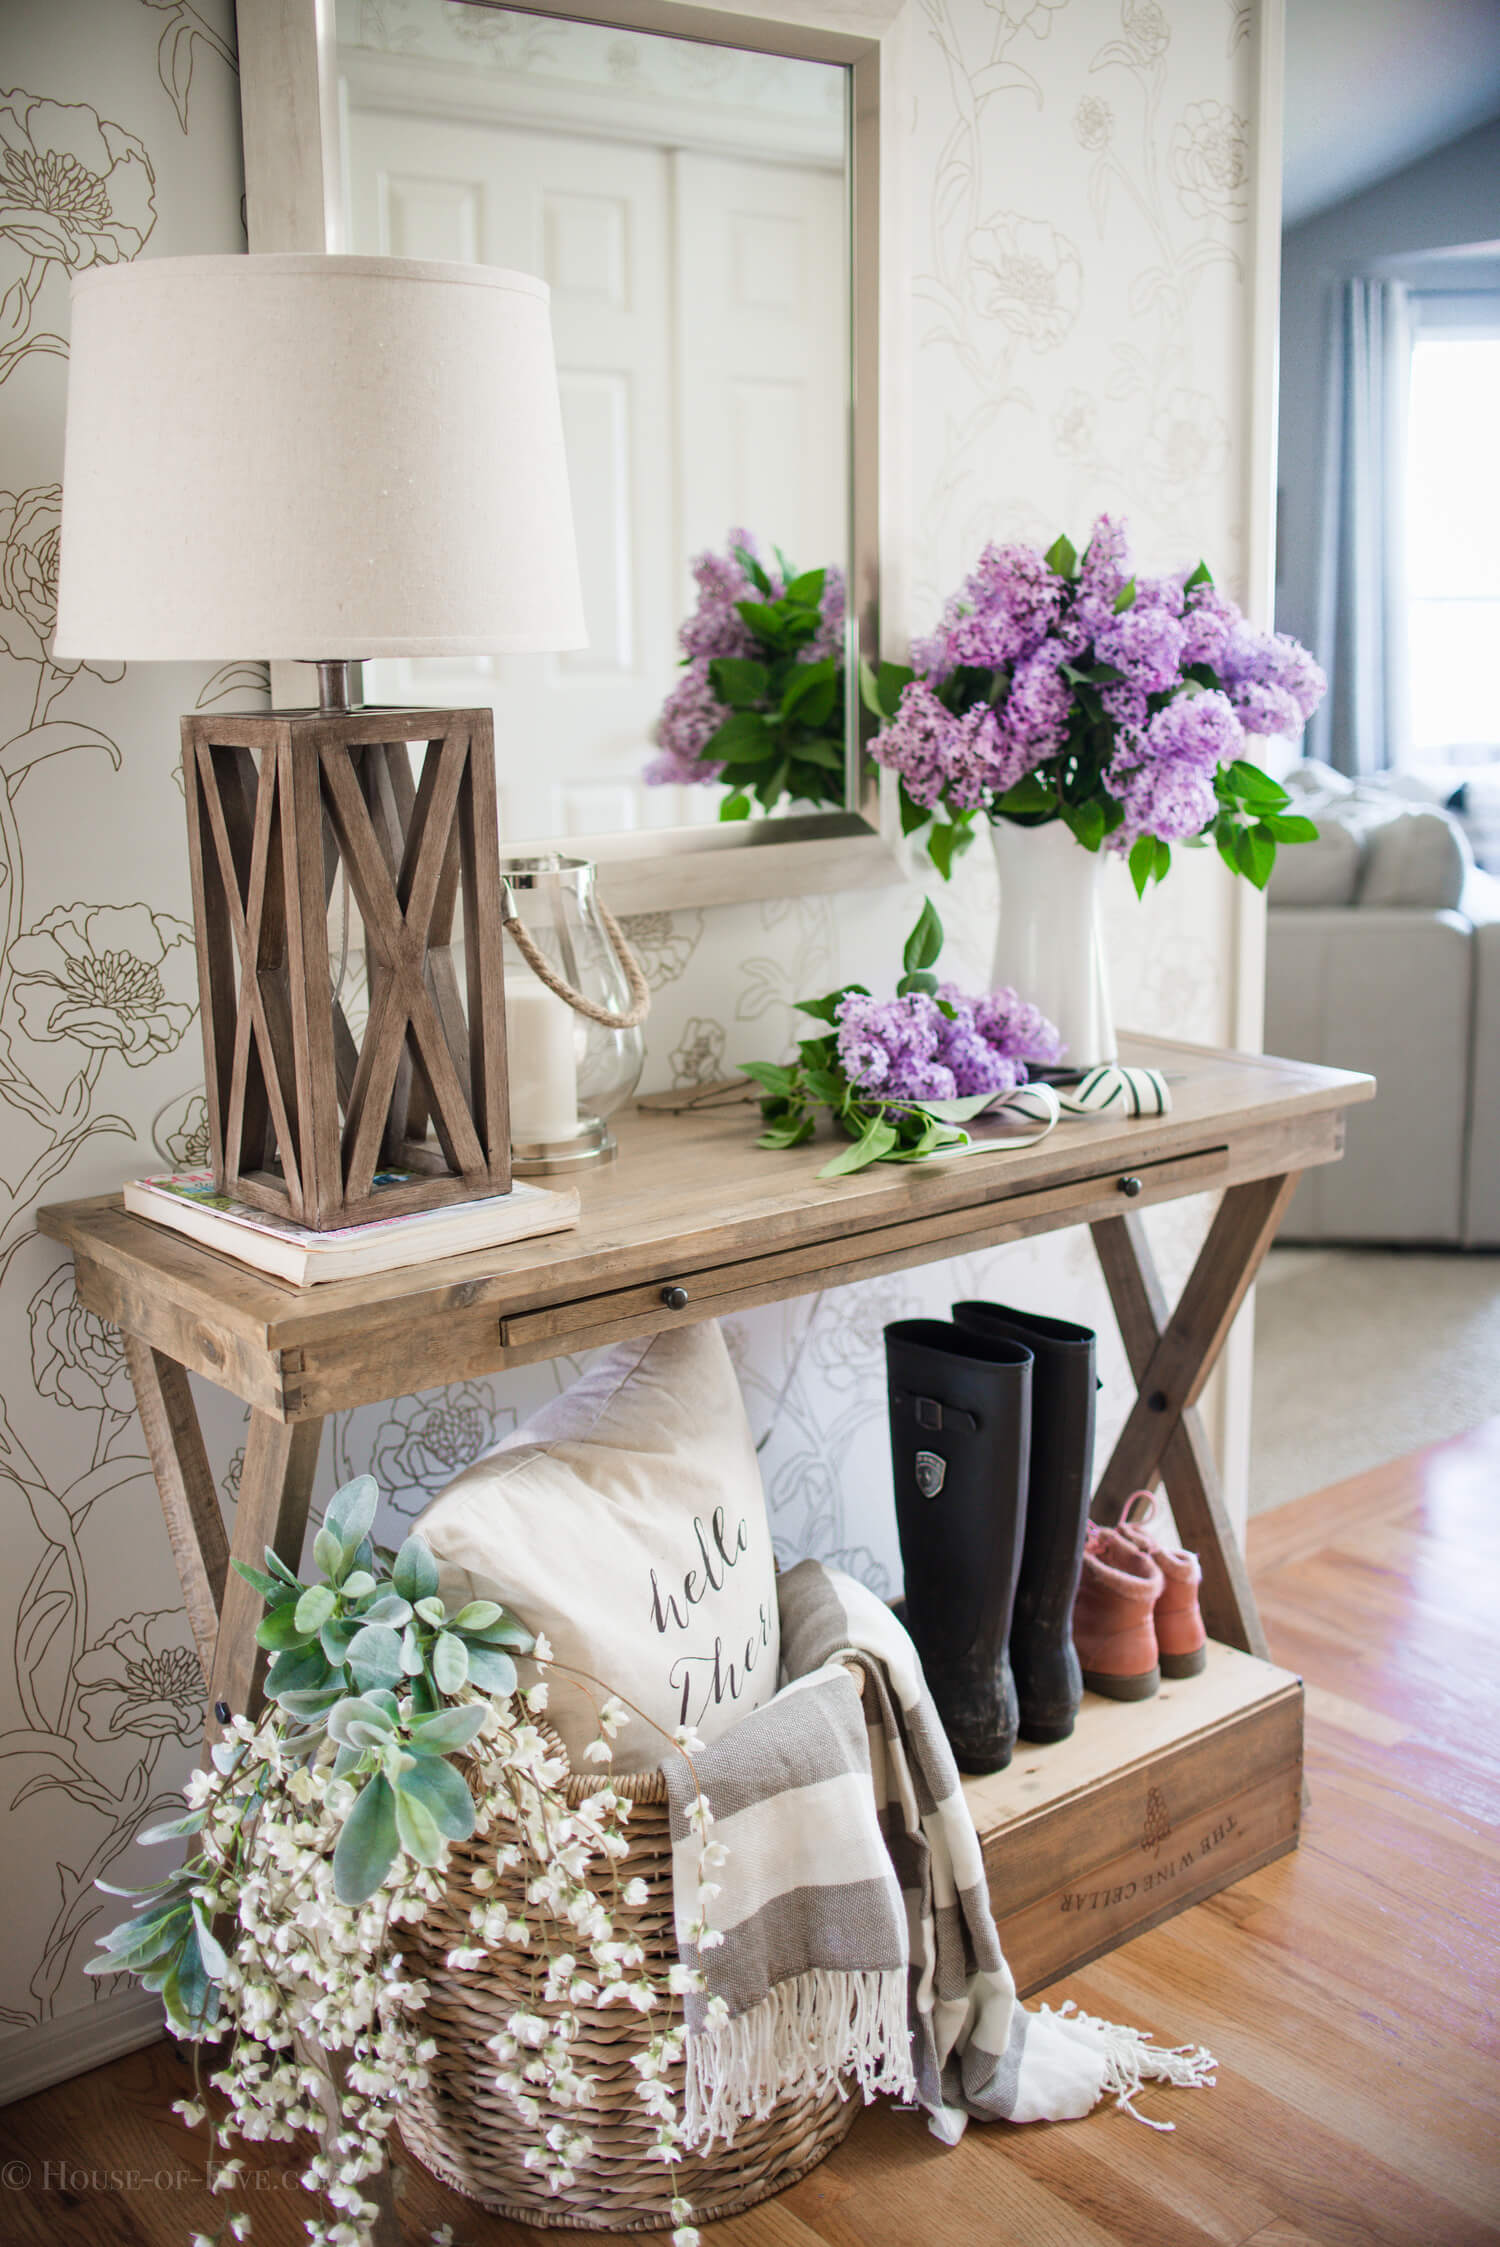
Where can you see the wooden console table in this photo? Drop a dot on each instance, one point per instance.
(695, 1220)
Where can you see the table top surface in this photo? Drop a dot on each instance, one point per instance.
(690, 1190)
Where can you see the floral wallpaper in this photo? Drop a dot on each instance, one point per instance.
(1081, 182)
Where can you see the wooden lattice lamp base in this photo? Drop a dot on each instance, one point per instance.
(302, 1114)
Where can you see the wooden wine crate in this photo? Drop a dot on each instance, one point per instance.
(1149, 1807)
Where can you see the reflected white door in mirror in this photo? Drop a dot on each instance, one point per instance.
(699, 317)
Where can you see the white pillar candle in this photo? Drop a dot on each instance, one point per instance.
(541, 1061)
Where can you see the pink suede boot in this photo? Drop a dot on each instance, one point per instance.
(1180, 1636)
(1113, 1627)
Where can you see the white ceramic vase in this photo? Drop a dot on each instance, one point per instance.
(1049, 943)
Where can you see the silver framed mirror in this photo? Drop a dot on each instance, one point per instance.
(705, 194)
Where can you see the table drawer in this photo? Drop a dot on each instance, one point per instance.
(677, 1297)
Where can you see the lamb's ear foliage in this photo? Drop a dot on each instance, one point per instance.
(371, 1629)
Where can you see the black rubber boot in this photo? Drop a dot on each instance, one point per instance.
(1049, 1683)
(960, 1437)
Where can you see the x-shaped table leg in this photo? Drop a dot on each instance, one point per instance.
(1171, 1359)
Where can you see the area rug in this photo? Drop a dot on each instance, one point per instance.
(1362, 1355)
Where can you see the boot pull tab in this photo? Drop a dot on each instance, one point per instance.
(932, 1414)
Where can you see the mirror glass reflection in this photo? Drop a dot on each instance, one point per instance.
(689, 206)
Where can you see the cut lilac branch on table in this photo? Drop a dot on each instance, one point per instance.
(1064, 688)
(901, 1077)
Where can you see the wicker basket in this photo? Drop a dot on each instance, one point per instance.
(465, 2130)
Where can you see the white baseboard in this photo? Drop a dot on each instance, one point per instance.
(33, 2059)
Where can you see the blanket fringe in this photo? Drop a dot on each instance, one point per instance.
(807, 2033)
(1131, 2059)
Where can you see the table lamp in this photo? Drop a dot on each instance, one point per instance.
(321, 459)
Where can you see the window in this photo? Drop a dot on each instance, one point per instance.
(1453, 533)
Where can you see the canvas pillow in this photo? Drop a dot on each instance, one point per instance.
(1418, 859)
(627, 1521)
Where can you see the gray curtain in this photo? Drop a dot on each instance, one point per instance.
(1362, 725)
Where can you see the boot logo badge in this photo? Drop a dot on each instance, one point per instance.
(930, 1473)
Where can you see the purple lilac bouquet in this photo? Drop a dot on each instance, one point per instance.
(1060, 688)
(760, 704)
(884, 1066)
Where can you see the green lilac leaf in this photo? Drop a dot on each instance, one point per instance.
(1142, 862)
(739, 681)
(1290, 827)
(926, 939)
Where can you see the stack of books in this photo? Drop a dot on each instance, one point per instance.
(189, 1203)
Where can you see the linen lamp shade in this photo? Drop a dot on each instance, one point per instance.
(303, 456)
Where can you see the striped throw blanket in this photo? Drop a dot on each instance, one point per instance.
(857, 1936)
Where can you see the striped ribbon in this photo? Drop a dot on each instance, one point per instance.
(1129, 1092)
(1109, 1090)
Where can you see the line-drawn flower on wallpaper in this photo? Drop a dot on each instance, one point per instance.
(73, 187)
(77, 1358)
(1034, 16)
(1093, 122)
(142, 1677)
(1146, 28)
(30, 528)
(229, 1480)
(1075, 425)
(1210, 161)
(424, 1441)
(180, 1132)
(176, 50)
(663, 943)
(243, 677)
(1026, 275)
(104, 975)
(75, 191)
(698, 1058)
(1188, 440)
(847, 1344)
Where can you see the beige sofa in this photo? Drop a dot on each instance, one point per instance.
(1383, 953)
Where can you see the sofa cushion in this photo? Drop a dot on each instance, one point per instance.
(1419, 858)
(1325, 872)
(626, 1519)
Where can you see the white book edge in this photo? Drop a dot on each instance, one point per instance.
(248, 1239)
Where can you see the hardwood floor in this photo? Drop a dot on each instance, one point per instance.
(1349, 1991)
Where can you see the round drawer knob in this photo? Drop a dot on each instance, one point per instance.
(221, 1711)
(1130, 1186)
(675, 1298)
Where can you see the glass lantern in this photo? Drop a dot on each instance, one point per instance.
(568, 1073)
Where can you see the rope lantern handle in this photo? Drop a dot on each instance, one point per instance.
(542, 968)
